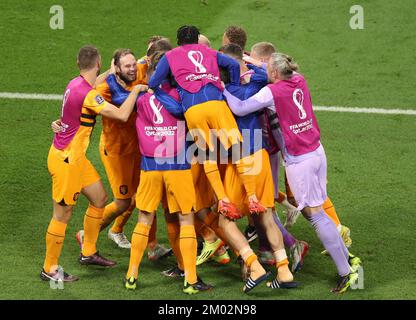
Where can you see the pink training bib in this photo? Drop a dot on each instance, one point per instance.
(194, 66)
(296, 117)
(160, 134)
(74, 97)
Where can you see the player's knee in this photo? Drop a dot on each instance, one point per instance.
(123, 204)
(100, 201)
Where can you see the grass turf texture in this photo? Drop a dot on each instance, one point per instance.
(371, 157)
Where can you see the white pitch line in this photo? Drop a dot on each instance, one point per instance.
(408, 112)
(41, 96)
(30, 96)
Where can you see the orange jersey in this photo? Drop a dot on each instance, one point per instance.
(120, 138)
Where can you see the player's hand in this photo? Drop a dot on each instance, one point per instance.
(141, 88)
(150, 91)
(252, 61)
(56, 126)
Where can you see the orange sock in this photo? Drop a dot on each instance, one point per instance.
(109, 214)
(214, 178)
(249, 180)
(188, 247)
(330, 211)
(55, 236)
(152, 235)
(92, 224)
(173, 235)
(138, 246)
(121, 220)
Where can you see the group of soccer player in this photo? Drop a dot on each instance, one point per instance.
(202, 133)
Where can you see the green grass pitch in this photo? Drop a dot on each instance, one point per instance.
(371, 158)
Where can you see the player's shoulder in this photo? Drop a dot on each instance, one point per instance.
(94, 98)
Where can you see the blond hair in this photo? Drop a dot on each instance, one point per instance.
(284, 64)
(263, 49)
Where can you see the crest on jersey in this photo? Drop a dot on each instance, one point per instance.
(196, 58)
(99, 99)
(124, 189)
(76, 196)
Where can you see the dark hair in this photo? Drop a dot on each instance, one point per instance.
(119, 53)
(153, 61)
(236, 35)
(233, 50)
(154, 39)
(162, 44)
(87, 57)
(187, 35)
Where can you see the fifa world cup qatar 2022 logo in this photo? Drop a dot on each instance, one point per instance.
(196, 58)
(157, 115)
(298, 100)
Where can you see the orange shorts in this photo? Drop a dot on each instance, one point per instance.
(123, 173)
(69, 178)
(212, 115)
(234, 187)
(204, 195)
(175, 184)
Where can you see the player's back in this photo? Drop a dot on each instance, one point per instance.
(80, 105)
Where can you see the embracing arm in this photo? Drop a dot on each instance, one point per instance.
(169, 103)
(231, 65)
(160, 74)
(259, 101)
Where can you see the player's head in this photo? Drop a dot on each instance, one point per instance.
(187, 35)
(281, 67)
(204, 40)
(152, 40)
(235, 34)
(89, 59)
(262, 51)
(163, 44)
(233, 50)
(125, 65)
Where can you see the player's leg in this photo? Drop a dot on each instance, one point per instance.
(307, 180)
(204, 127)
(297, 248)
(66, 187)
(149, 194)
(139, 242)
(55, 236)
(240, 244)
(97, 198)
(173, 230)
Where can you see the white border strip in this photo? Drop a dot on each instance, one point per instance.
(408, 112)
(30, 96)
(41, 96)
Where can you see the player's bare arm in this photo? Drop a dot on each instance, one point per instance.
(123, 113)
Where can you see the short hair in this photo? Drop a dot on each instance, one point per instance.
(120, 53)
(162, 44)
(187, 35)
(236, 35)
(233, 50)
(87, 57)
(154, 39)
(263, 49)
